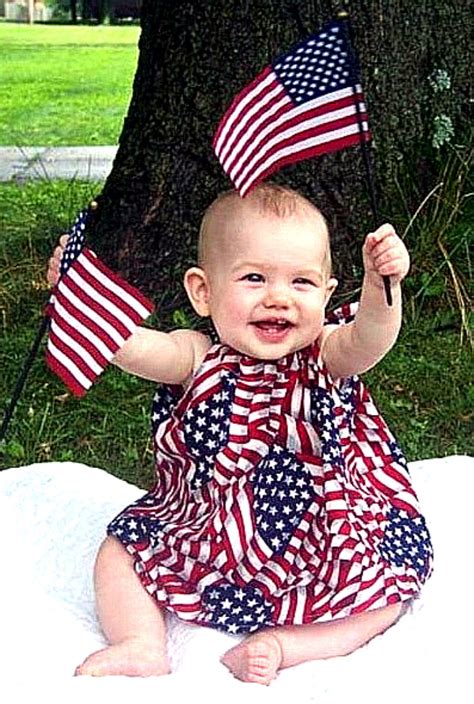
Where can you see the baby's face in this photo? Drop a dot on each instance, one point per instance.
(268, 283)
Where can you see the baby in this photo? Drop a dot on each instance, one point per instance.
(282, 509)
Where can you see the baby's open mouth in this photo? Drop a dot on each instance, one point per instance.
(273, 324)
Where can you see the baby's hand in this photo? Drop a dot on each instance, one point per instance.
(52, 274)
(385, 254)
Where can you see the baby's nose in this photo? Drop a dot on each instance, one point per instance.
(278, 296)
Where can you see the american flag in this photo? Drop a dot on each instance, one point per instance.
(280, 498)
(307, 102)
(92, 310)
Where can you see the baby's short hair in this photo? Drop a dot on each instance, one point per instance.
(268, 199)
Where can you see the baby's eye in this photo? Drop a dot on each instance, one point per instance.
(253, 277)
(302, 281)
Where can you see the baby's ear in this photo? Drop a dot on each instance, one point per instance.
(196, 284)
(330, 288)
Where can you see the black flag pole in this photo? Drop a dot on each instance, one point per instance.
(21, 380)
(343, 16)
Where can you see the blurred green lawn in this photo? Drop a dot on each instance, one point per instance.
(64, 85)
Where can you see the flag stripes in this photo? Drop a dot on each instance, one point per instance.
(307, 103)
(93, 312)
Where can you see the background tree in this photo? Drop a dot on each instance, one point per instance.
(195, 56)
(30, 11)
(73, 6)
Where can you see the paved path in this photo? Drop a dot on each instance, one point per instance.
(85, 163)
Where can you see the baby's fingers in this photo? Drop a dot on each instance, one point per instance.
(391, 264)
(52, 273)
(380, 239)
(385, 253)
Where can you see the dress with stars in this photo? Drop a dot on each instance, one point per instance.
(281, 497)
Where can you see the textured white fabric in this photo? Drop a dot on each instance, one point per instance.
(52, 519)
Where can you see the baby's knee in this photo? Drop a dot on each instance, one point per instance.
(113, 553)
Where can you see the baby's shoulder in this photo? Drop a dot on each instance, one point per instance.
(199, 343)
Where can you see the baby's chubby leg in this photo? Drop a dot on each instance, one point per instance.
(260, 657)
(131, 620)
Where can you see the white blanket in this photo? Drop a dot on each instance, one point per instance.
(52, 519)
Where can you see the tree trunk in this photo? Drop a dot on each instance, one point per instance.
(73, 6)
(86, 12)
(30, 8)
(194, 57)
(103, 10)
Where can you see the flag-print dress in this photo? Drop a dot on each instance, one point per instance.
(281, 497)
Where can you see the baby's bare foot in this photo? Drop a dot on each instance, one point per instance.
(257, 659)
(134, 658)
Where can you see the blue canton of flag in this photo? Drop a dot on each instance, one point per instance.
(398, 454)
(161, 407)
(236, 609)
(407, 541)
(282, 493)
(75, 242)
(307, 102)
(346, 394)
(322, 406)
(206, 429)
(137, 529)
(319, 65)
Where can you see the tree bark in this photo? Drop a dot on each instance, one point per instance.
(194, 58)
(31, 11)
(86, 10)
(104, 10)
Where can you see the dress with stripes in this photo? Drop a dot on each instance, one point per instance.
(281, 497)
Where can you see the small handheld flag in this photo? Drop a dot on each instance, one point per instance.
(90, 314)
(308, 102)
(93, 312)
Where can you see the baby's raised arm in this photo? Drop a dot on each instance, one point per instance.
(170, 358)
(355, 348)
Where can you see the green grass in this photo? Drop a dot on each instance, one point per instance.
(65, 85)
(424, 387)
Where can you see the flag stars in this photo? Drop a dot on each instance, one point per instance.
(206, 430)
(135, 529)
(285, 480)
(314, 68)
(406, 540)
(235, 609)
